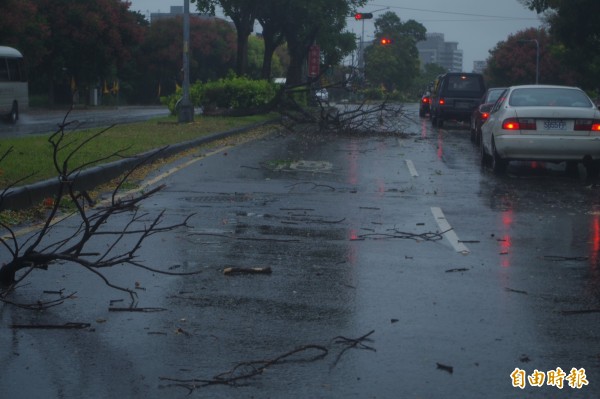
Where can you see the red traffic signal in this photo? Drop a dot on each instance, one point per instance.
(385, 41)
(363, 15)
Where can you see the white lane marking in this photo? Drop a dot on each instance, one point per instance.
(448, 232)
(411, 168)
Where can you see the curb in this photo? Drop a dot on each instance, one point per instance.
(27, 196)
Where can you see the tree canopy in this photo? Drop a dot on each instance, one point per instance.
(243, 14)
(394, 65)
(514, 61)
(300, 24)
(575, 31)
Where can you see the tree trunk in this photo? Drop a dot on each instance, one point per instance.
(267, 59)
(242, 53)
(295, 74)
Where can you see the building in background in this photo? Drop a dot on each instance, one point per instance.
(435, 50)
(479, 66)
(175, 11)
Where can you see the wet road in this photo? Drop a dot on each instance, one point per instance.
(47, 121)
(461, 276)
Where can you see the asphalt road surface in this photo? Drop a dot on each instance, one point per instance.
(399, 269)
(47, 121)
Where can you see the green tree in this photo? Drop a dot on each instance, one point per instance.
(539, 5)
(514, 61)
(575, 29)
(272, 32)
(212, 54)
(88, 41)
(301, 24)
(425, 79)
(243, 15)
(312, 20)
(23, 27)
(256, 59)
(394, 65)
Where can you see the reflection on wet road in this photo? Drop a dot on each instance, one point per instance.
(350, 228)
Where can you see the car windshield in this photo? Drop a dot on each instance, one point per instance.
(493, 96)
(549, 96)
(464, 83)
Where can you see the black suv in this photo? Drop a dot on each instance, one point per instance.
(455, 96)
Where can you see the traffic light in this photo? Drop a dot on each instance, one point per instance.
(385, 41)
(363, 15)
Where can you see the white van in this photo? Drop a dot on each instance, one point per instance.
(14, 89)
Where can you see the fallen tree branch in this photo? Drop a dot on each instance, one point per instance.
(445, 367)
(352, 343)
(246, 370)
(429, 236)
(581, 311)
(66, 326)
(39, 305)
(557, 258)
(140, 310)
(230, 271)
(315, 185)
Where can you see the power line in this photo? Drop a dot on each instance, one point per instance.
(456, 13)
(469, 20)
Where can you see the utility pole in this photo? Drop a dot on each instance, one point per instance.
(537, 57)
(186, 109)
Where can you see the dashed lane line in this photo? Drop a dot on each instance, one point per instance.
(448, 232)
(411, 168)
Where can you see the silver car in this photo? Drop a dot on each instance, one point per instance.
(542, 123)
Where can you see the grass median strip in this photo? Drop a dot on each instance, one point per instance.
(34, 214)
(32, 155)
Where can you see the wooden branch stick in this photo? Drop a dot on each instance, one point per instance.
(66, 326)
(229, 271)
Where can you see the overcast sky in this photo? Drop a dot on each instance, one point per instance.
(477, 25)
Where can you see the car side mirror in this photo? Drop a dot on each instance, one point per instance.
(485, 107)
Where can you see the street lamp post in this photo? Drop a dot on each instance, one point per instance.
(186, 109)
(537, 58)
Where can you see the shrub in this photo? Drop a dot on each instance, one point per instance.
(231, 93)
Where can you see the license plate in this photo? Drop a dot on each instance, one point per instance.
(462, 105)
(555, 124)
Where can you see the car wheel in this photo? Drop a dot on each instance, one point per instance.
(421, 113)
(592, 169)
(473, 134)
(13, 117)
(499, 164)
(571, 168)
(484, 157)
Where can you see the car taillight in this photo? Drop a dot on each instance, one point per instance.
(587, 125)
(485, 115)
(425, 100)
(442, 101)
(519, 124)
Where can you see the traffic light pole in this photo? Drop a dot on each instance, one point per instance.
(361, 59)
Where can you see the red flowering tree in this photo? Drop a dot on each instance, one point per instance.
(513, 61)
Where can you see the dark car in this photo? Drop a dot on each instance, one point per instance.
(455, 96)
(424, 104)
(482, 112)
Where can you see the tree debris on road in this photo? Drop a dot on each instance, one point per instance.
(230, 271)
